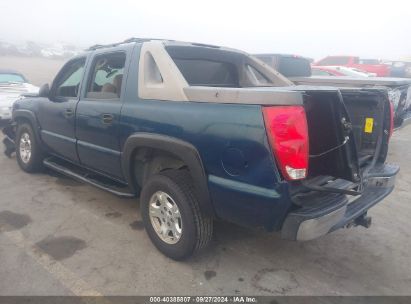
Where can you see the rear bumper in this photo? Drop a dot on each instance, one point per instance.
(334, 211)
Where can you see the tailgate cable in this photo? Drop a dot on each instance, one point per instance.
(332, 149)
(329, 189)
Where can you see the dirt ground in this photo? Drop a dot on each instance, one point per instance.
(65, 238)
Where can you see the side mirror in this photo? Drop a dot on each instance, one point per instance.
(44, 90)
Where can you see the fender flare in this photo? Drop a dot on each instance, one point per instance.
(31, 117)
(177, 147)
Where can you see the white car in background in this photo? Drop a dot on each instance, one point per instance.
(12, 85)
(349, 71)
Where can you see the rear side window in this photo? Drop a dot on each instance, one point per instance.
(69, 79)
(107, 76)
(337, 60)
(202, 72)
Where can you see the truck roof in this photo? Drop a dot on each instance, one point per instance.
(165, 41)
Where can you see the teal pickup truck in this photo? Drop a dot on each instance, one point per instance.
(200, 132)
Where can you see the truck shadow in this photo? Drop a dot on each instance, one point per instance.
(329, 255)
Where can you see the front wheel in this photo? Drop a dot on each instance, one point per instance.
(171, 215)
(28, 151)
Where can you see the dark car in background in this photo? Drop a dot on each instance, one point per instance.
(288, 65)
(399, 68)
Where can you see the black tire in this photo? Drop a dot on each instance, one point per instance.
(197, 228)
(35, 161)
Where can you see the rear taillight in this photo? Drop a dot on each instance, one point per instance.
(288, 135)
(391, 119)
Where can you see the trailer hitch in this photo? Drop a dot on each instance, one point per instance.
(363, 220)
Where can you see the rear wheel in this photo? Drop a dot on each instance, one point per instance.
(28, 152)
(172, 216)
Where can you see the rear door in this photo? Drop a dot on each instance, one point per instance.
(98, 113)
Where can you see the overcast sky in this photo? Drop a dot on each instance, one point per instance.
(374, 29)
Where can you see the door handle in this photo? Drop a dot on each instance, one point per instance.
(68, 113)
(107, 119)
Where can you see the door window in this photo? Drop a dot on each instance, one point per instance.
(107, 76)
(69, 80)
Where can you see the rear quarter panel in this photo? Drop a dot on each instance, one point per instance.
(243, 181)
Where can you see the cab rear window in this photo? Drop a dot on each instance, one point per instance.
(214, 67)
(201, 72)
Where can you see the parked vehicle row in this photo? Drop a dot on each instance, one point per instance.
(383, 68)
(300, 72)
(339, 71)
(366, 65)
(200, 132)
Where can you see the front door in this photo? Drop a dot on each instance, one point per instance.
(57, 113)
(98, 115)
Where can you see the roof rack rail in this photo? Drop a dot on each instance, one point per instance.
(100, 46)
(129, 40)
(136, 39)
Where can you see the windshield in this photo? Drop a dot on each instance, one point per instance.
(9, 77)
